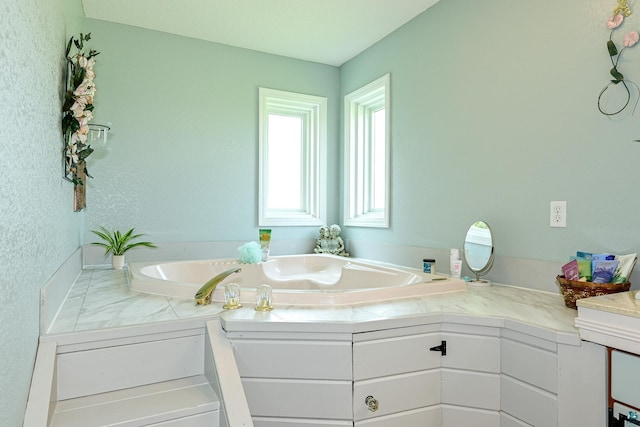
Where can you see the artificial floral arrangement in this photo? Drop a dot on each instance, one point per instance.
(628, 40)
(77, 109)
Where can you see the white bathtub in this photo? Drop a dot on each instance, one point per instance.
(315, 279)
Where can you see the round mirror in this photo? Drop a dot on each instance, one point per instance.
(478, 250)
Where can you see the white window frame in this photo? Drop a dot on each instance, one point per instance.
(313, 111)
(358, 108)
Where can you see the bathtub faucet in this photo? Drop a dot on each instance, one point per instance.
(203, 296)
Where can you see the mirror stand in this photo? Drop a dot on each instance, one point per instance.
(478, 281)
(478, 252)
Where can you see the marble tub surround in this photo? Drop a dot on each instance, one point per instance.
(101, 299)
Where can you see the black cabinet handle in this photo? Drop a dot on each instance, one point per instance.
(442, 348)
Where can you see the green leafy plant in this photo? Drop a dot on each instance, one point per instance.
(118, 243)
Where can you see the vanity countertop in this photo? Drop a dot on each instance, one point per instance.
(100, 299)
(624, 303)
(612, 320)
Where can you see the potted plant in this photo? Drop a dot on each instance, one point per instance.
(118, 243)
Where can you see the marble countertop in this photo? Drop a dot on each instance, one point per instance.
(100, 299)
(611, 320)
(624, 303)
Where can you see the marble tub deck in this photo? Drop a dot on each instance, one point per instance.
(100, 299)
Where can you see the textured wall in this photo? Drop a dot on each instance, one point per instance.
(38, 230)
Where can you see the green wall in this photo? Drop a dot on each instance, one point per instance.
(182, 161)
(38, 228)
(494, 115)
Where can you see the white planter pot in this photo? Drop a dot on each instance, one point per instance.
(117, 261)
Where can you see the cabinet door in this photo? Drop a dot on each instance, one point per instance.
(423, 417)
(507, 420)
(530, 364)
(473, 389)
(455, 416)
(299, 398)
(396, 393)
(390, 356)
(530, 404)
(472, 352)
(327, 360)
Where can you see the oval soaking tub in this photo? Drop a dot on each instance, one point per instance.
(314, 279)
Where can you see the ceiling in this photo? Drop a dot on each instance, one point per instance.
(325, 31)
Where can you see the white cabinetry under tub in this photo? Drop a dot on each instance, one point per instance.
(399, 380)
(548, 384)
(492, 375)
(295, 380)
(529, 383)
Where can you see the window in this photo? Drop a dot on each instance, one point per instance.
(366, 155)
(292, 139)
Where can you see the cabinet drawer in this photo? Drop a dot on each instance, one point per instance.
(424, 417)
(396, 393)
(527, 403)
(530, 364)
(474, 389)
(393, 356)
(473, 352)
(327, 360)
(455, 416)
(299, 398)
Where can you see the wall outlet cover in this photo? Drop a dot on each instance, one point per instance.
(558, 214)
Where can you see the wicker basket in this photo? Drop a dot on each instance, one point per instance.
(573, 290)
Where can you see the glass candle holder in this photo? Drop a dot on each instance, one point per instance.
(263, 298)
(231, 296)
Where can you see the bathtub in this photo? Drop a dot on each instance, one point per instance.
(316, 279)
